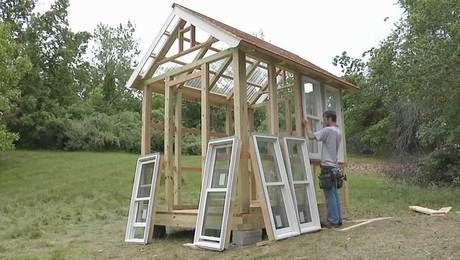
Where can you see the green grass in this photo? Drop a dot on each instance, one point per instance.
(74, 204)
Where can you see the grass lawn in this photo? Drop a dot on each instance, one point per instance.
(74, 205)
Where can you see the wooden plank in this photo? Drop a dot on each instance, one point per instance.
(188, 67)
(364, 223)
(146, 118)
(219, 72)
(175, 219)
(273, 102)
(298, 110)
(164, 50)
(261, 90)
(177, 148)
(192, 36)
(248, 74)
(193, 131)
(205, 118)
(168, 149)
(184, 78)
(240, 109)
(187, 51)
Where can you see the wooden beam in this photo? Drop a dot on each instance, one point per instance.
(273, 102)
(219, 72)
(192, 131)
(189, 67)
(168, 149)
(298, 109)
(184, 78)
(205, 118)
(164, 50)
(192, 36)
(187, 51)
(241, 127)
(177, 148)
(197, 42)
(262, 89)
(248, 74)
(146, 118)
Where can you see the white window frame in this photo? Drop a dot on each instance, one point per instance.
(314, 225)
(317, 89)
(337, 94)
(208, 242)
(293, 228)
(131, 225)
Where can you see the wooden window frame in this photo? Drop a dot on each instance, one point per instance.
(200, 240)
(314, 225)
(293, 228)
(317, 90)
(129, 236)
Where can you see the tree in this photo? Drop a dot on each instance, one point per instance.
(114, 53)
(13, 65)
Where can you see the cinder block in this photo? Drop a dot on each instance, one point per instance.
(246, 237)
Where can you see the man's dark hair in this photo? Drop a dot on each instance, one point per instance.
(330, 114)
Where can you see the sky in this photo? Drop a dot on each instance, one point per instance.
(315, 30)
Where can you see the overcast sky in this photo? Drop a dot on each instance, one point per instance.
(315, 30)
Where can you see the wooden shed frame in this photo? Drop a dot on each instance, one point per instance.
(230, 69)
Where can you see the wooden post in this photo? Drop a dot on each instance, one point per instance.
(204, 112)
(168, 145)
(146, 120)
(298, 109)
(251, 119)
(273, 102)
(240, 111)
(228, 119)
(287, 116)
(178, 148)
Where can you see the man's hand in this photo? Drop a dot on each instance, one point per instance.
(307, 128)
(305, 122)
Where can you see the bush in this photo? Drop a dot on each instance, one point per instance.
(441, 167)
(191, 144)
(100, 131)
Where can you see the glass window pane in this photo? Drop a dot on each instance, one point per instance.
(221, 165)
(303, 206)
(145, 180)
(213, 214)
(142, 211)
(311, 99)
(331, 102)
(278, 208)
(138, 232)
(297, 159)
(269, 163)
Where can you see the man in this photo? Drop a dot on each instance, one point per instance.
(330, 136)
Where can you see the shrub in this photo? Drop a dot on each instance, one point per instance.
(441, 167)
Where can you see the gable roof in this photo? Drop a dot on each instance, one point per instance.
(235, 37)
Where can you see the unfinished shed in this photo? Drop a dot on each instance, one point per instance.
(264, 89)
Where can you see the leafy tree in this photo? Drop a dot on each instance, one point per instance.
(13, 65)
(114, 54)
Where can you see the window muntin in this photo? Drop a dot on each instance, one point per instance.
(216, 192)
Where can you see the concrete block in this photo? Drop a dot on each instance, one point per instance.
(246, 237)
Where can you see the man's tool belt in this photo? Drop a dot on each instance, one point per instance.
(330, 176)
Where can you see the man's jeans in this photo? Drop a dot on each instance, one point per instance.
(334, 215)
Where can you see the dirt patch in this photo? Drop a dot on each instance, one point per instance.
(412, 237)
